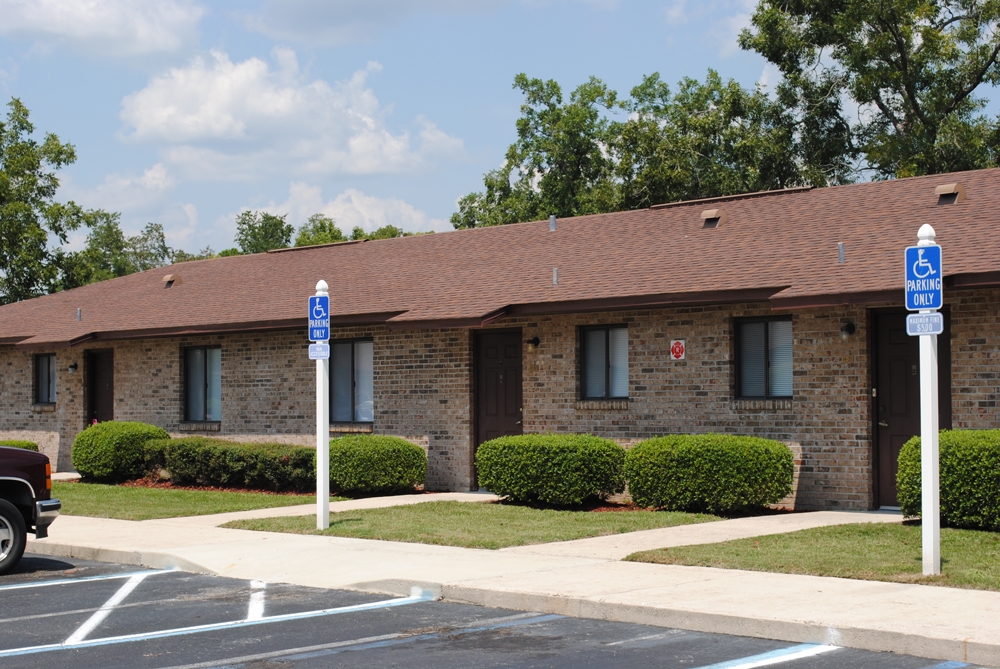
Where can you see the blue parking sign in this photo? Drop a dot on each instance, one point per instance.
(924, 279)
(319, 317)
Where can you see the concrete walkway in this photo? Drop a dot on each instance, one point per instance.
(579, 578)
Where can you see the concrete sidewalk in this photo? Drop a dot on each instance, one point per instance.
(580, 578)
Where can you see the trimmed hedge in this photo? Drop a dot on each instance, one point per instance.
(228, 464)
(19, 443)
(709, 473)
(113, 451)
(559, 469)
(375, 464)
(969, 478)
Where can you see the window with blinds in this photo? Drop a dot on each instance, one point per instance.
(764, 357)
(203, 384)
(45, 379)
(604, 362)
(352, 387)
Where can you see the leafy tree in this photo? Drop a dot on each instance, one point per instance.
(319, 229)
(29, 212)
(385, 232)
(559, 163)
(109, 253)
(912, 66)
(179, 255)
(259, 232)
(225, 253)
(709, 139)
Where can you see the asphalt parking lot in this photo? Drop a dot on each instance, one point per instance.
(61, 613)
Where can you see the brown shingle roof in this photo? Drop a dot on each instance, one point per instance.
(780, 246)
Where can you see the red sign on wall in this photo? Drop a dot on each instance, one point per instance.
(677, 349)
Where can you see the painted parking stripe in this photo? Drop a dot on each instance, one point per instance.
(255, 611)
(351, 644)
(948, 665)
(93, 621)
(82, 579)
(234, 624)
(774, 657)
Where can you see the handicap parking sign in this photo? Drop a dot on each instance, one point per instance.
(924, 280)
(319, 317)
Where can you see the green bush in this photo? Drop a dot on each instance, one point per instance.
(228, 464)
(709, 473)
(375, 464)
(560, 469)
(969, 479)
(18, 443)
(113, 451)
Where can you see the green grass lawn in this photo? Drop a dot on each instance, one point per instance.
(874, 552)
(135, 503)
(474, 524)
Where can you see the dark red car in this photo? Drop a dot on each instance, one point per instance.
(26, 503)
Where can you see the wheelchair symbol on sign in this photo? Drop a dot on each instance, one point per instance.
(922, 268)
(318, 311)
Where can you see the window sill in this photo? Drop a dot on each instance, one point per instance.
(43, 408)
(352, 428)
(762, 404)
(602, 405)
(200, 426)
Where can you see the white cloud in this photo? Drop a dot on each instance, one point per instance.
(769, 78)
(345, 21)
(103, 27)
(354, 208)
(735, 16)
(237, 120)
(676, 13)
(125, 193)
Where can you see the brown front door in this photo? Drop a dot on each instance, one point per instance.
(897, 396)
(498, 385)
(100, 386)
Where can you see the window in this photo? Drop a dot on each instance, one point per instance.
(764, 357)
(604, 362)
(352, 387)
(45, 379)
(203, 384)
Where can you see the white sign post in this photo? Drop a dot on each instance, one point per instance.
(322, 406)
(924, 284)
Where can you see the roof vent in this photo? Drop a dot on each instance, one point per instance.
(171, 279)
(950, 193)
(713, 217)
(552, 223)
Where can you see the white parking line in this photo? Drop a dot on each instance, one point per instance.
(82, 579)
(417, 595)
(774, 657)
(256, 609)
(93, 621)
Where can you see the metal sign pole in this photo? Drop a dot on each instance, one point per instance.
(930, 495)
(322, 433)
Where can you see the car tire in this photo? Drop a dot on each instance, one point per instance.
(13, 536)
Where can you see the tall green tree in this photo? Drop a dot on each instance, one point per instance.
(912, 66)
(559, 163)
(29, 212)
(109, 253)
(319, 229)
(708, 139)
(259, 232)
(385, 232)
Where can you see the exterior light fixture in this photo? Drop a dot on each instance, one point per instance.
(847, 329)
(533, 343)
(73, 367)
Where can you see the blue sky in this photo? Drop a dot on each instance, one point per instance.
(380, 111)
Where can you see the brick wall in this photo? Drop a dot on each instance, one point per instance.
(423, 388)
(826, 423)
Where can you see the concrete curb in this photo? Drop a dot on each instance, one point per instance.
(794, 631)
(938, 648)
(151, 559)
